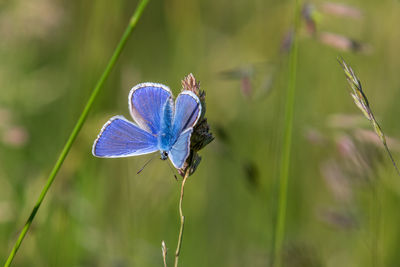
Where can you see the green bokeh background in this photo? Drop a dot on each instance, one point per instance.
(100, 213)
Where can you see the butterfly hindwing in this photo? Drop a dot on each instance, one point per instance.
(122, 138)
(146, 102)
(181, 149)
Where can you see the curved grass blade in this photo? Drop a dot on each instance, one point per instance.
(286, 146)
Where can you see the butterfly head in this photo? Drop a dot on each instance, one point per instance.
(164, 155)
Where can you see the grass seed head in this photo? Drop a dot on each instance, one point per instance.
(360, 99)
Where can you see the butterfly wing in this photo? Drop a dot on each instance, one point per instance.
(181, 149)
(146, 101)
(187, 111)
(122, 138)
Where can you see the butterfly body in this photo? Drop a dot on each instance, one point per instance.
(166, 137)
(160, 125)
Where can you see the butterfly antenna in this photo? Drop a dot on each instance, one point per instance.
(147, 162)
(172, 170)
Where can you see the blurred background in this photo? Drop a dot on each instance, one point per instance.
(344, 195)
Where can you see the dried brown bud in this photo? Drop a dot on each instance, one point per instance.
(189, 83)
(343, 43)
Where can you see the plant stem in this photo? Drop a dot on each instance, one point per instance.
(164, 253)
(178, 246)
(381, 136)
(132, 23)
(285, 156)
(391, 158)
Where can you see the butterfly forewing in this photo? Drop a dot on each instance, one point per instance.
(122, 138)
(146, 102)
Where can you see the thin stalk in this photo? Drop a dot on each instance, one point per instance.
(382, 137)
(132, 23)
(391, 158)
(287, 141)
(164, 253)
(178, 246)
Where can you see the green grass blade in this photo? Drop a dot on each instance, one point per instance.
(286, 148)
(132, 23)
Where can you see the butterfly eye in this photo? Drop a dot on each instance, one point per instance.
(164, 155)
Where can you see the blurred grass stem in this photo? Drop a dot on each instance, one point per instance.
(132, 23)
(375, 222)
(286, 147)
(180, 237)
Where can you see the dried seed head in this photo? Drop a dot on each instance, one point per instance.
(341, 10)
(343, 43)
(201, 135)
(308, 13)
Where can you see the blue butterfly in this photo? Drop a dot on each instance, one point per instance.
(160, 125)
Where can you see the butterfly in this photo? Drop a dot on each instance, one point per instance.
(160, 125)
